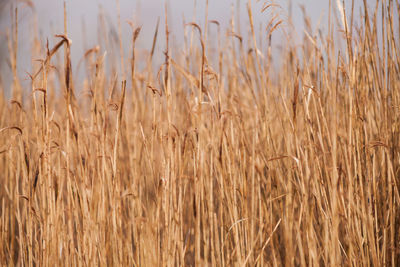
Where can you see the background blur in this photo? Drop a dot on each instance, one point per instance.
(83, 23)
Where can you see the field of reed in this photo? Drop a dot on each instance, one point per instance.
(231, 152)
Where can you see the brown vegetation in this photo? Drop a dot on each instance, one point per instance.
(223, 162)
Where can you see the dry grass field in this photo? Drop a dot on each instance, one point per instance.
(220, 156)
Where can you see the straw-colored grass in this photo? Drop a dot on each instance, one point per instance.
(221, 157)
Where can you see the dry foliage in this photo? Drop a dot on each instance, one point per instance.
(220, 158)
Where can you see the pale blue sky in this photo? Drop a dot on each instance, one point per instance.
(144, 13)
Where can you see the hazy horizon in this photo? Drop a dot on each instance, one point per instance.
(83, 23)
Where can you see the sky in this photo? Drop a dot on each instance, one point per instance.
(83, 23)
